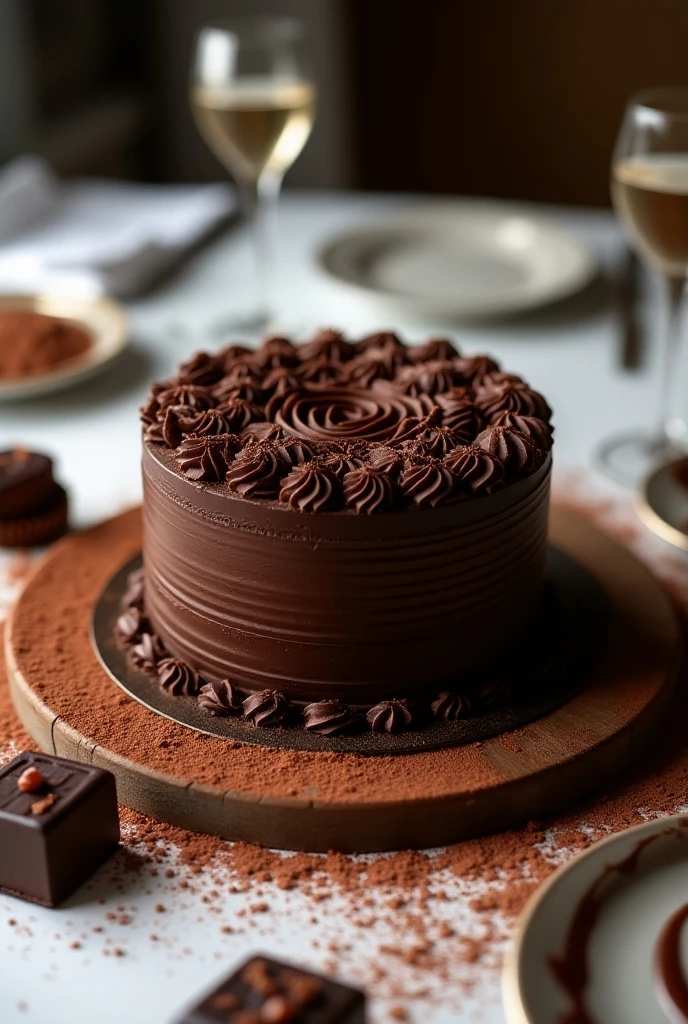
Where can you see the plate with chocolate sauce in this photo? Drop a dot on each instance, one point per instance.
(51, 342)
(662, 502)
(459, 260)
(605, 940)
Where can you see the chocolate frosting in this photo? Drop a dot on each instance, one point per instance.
(266, 708)
(201, 369)
(257, 471)
(387, 340)
(276, 353)
(434, 349)
(329, 345)
(439, 441)
(512, 397)
(131, 624)
(233, 355)
(221, 698)
(491, 691)
(330, 395)
(431, 378)
(408, 430)
(133, 595)
(390, 716)
(427, 482)
(321, 371)
(206, 458)
(339, 413)
(237, 413)
(154, 433)
(241, 376)
(451, 706)
(262, 432)
(365, 369)
(328, 717)
(183, 394)
(461, 414)
(294, 452)
(537, 430)
(341, 459)
(177, 677)
(182, 420)
(146, 654)
(475, 470)
(280, 380)
(246, 390)
(389, 460)
(311, 487)
(474, 369)
(518, 453)
(368, 490)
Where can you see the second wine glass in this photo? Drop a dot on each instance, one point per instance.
(253, 99)
(650, 193)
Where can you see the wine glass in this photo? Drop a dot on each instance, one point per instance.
(254, 103)
(650, 193)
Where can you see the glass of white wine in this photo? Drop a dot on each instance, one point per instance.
(253, 99)
(650, 193)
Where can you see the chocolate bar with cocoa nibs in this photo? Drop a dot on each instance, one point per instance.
(266, 991)
(58, 823)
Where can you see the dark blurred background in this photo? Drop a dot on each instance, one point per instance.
(416, 95)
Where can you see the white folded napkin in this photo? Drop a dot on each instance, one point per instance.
(91, 236)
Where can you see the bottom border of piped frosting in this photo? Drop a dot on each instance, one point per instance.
(330, 717)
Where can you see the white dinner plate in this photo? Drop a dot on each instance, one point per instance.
(103, 320)
(464, 259)
(639, 881)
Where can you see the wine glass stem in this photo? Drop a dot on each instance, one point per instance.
(261, 204)
(674, 427)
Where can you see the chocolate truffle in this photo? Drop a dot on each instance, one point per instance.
(56, 830)
(33, 506)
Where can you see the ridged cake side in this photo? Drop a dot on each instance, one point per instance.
(362, 608)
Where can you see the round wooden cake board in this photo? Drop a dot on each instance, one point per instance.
(301, 800)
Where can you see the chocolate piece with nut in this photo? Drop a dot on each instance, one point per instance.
(265, 991)
(58, 823)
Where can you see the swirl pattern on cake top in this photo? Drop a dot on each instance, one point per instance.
(313, 426)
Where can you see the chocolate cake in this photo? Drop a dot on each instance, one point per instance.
(339, 530)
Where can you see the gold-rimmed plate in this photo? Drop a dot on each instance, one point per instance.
(592, 943)
(662, 502)
(104, 321)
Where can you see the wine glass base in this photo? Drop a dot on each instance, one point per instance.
(628, 458)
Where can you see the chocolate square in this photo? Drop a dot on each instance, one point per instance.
(46, 854)
(265, 991)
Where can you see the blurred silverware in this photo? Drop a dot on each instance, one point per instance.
(631, 338)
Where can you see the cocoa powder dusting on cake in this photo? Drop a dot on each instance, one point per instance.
(408, 895)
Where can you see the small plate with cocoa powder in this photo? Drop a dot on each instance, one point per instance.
(50, 342)
(605, 940)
